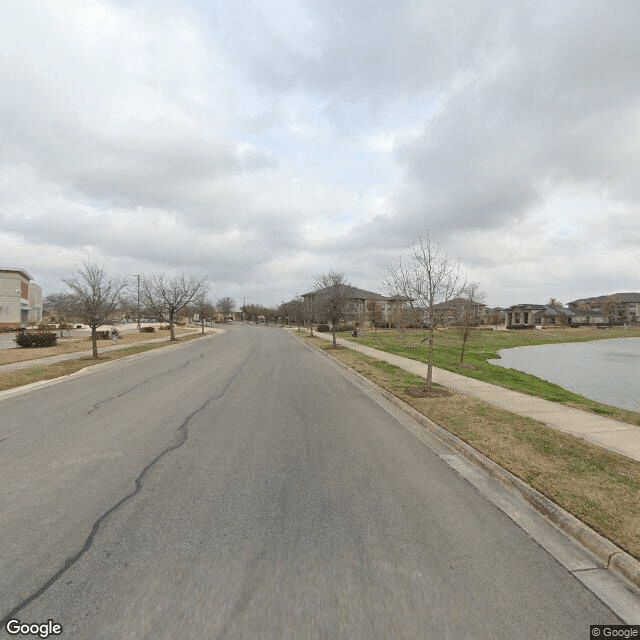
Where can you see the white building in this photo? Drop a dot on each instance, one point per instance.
(20, 299)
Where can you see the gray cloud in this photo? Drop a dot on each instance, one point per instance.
(235, 138)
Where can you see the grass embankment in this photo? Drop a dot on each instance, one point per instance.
(12, 379)
(484, 345)
(599, 487)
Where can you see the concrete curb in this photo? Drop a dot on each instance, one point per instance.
(100, 366)
(608, 554)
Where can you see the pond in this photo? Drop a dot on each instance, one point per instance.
(607, 371)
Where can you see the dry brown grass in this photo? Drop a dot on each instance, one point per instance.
(599, 487)
(9, 356)
(13, 379)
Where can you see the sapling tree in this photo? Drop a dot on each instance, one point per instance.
(331, 298)
(427, 278)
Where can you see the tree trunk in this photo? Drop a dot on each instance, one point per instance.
(94, 342)
(430, 362)
(172, 330)
(202, 325)
(335, 344)
(464, 342)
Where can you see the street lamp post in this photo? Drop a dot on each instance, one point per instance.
(137, 275)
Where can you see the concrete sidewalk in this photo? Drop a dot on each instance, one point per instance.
(611, 434)
(75, 355)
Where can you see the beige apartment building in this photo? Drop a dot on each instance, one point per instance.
(20, 299)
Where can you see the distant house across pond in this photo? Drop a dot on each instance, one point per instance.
(616, 308)
(545, 315)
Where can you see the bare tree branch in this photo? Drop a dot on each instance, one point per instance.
(467, 312)
(226, 306)
(95, 297)
(167, 296)
(426, 279)
(331, 298)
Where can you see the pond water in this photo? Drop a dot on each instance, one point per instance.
(604, 370)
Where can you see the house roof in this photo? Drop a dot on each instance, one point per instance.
(557, 311)
(354, 292)
(534, 307)
(632, 296)
(454, 302)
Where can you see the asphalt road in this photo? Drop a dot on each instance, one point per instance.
(241, 486)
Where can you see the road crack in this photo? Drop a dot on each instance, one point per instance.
(100, 404)
(182, 433)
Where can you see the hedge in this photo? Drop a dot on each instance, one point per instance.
(36, 339)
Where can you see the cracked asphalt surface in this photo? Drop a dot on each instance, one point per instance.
(242, 486)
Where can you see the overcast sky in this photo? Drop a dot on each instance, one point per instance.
(260, 143)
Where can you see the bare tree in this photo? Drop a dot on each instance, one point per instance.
(203, 307)
(609, 308)
(60, 305)
(428, 279)
(292, 311)
(95, 297)
(374, 313)
(467, 312)
(167, 296)
(226, 306)
(331, 298)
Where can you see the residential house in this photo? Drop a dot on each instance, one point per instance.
(20, 299)
(451, 311)
(493, 315)
(357, 301)
(617, 308)
(522, 313)
(545, 315)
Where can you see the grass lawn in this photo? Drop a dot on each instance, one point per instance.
(600, 488)
(485, 344)
(12, 379)
(9, 356)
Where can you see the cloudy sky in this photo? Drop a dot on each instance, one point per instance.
(260, 143)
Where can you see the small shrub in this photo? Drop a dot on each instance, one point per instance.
(36, 339)
(103, 335)
(78, 326)
(147, 329)
(323, 328)
(520, 326)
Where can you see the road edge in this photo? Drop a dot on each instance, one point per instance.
(609, 554)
